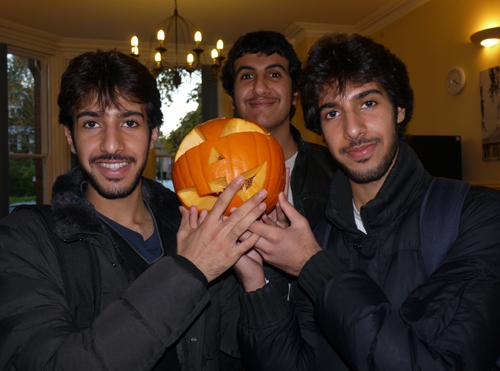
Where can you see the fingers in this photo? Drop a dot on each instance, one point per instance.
(287, 209)
(226, 196)
(185, 221)
(202, 216)
(281, 218)
(243, 217)
(246, 245)
(193, 217)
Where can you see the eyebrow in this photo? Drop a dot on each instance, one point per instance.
(123, 114)
(358, 96)
(271, 66)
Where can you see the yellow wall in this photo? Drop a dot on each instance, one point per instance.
(430, 40)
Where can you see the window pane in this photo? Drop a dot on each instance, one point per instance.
(23, 104)
(24, 175)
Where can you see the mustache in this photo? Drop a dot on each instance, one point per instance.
(109, 157)
(358, 142)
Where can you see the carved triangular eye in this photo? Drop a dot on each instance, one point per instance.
(193, 139)
(254, 180)
(240, 126)
(215, 155)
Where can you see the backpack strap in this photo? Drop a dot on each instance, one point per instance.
(439, 219)
(79, 269)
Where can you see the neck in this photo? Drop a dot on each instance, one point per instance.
(130, 211)
(284, 137)
(364, 193)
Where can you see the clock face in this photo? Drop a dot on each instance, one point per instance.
(455, 80)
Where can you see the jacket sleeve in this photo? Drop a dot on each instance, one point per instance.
(450, 322)
(36, 326)
(275, 335)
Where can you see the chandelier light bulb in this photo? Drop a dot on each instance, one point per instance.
(161, 35)
(215, 53)
(220, 45)
(190, 59)
(134, 41)
(135, 50)
(158, 57)
(197, 36)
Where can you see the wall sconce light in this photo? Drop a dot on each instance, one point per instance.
(488, 37)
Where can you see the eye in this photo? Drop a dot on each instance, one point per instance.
(331, 115)
(90, 124)
(275, 74)
(369, 104)
(130, 124)
(246, 76)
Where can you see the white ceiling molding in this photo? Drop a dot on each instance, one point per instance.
(74, 47)
(386, 15)
(26, 37)
(297, 31)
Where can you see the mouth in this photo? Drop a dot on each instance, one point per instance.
(361, 151)
(258, 103)
(113, 166)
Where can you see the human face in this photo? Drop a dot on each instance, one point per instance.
(112, 147)
(360, 130)
(263, 90)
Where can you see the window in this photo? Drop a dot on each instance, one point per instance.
(26, 126)
(181, 107)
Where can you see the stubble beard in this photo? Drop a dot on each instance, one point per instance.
(371, 174)
(113, 192)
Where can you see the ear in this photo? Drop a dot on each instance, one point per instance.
(232, 101)
(295, 98)
(69, 139)
(154, 138)
(401, 115)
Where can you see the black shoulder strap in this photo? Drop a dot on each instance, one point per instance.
(439, 219)
(79, 268)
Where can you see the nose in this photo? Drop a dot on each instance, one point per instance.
(354, 127)
(112, 140)
(260, 86)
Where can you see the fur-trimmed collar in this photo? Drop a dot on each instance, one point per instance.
(75, 215)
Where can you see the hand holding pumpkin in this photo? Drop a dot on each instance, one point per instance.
(286, 248)
(212, 242)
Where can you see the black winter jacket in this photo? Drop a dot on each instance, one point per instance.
(169, 304)
(311, 176)
(384, 313)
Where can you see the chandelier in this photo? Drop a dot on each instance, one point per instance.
(170, 42)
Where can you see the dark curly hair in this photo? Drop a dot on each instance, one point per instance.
(338, 60)
(107, 76)
(261, 42)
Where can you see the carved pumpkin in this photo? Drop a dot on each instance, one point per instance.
(216, 152)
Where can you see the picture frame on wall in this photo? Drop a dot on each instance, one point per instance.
(490, 113)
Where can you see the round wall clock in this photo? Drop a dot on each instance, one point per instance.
(455, 80)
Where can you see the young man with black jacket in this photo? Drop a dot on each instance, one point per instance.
(162, 302)
(367, 300)
(261, 77)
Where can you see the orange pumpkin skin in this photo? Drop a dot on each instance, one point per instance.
(219, 150)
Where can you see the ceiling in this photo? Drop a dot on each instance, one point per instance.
(119, 20)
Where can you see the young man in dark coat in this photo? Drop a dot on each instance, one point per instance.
(162, 302)
(261, 77)
(366, 302)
